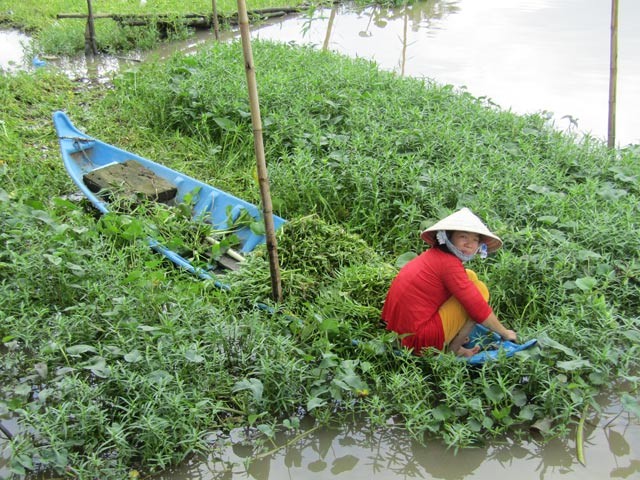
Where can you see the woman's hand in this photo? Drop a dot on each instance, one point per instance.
(509, 335)
(493, 324)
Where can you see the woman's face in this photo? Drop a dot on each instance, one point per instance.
(467, 242)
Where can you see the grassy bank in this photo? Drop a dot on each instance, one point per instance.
(114, 360)
(53, 36)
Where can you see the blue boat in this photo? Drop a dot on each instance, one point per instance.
(85, 156)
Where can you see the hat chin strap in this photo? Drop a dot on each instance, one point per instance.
(444, 240)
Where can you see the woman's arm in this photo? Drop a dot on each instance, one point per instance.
(493, 324)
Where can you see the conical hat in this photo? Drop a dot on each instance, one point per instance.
(463, 220)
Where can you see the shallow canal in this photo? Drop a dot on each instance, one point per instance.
(526, 55)
(611, 445)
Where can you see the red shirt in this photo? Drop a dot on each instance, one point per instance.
(420, 289)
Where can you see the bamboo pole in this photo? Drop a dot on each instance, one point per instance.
(90, 45)
(404, 39)
(332, 17)
(267, 209)
(613, 75)
(214, 18)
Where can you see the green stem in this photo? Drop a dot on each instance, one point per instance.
(579, 436)
(293, 440)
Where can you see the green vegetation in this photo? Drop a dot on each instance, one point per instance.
(54, 36)
(114, 360)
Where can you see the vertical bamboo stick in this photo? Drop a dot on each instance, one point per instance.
(613, 75)
(267, 209)
(214, 19)
(404, 40)
(90, 45)
(327, 36)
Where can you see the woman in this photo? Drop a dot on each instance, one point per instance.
(434, 301)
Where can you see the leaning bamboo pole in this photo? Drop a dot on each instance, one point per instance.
(332, 17)
(613, 75)
(263, 179)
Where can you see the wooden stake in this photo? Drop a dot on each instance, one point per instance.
(613, 74)
(214, 18)
(90, 45)
(332, 17)
(267, 209)
(404, 39)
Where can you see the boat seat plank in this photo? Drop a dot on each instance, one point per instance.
(130, 179)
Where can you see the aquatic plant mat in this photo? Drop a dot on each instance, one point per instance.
(114, 360)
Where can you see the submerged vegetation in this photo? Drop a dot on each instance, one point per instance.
(114, 360)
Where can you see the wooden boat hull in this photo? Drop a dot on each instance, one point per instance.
(82, 155)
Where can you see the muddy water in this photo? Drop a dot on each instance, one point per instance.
(611, 446)
(525, 55)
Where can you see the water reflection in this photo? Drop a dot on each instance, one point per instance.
(526, 55)
(14, 44)
(612, 450)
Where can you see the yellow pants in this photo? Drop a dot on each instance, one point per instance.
(452, 312)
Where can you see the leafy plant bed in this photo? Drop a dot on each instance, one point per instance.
(134, 365)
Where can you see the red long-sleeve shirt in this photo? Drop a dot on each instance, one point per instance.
(420, 289)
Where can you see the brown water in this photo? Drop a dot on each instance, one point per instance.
(527, 55)
(611, 446)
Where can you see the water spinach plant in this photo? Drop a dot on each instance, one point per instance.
(113, 360)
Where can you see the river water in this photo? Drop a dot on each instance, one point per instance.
(526, 55)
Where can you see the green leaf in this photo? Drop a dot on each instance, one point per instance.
(572, 365)
(98, 367)
(253, 385)
(527, 412)
(442, 413)
(159, 377)
(494, 393)
(519, 398)
(543, 425)
(587, 255)
(22, 390)
(405, 258)
(631, 404)
(133, 356)
(266, 430)
(225, 123)
(548, 219)
(329, 325)
(501, 414)
(193, 356)
(586, 284)
(78, 350)
(53, 259)
(609, 192)
(598, 378)
(315, 402)
(147, 328)
(547, 342)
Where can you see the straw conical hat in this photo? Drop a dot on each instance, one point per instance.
(463, 220)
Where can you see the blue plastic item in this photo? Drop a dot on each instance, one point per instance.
(492, 345)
